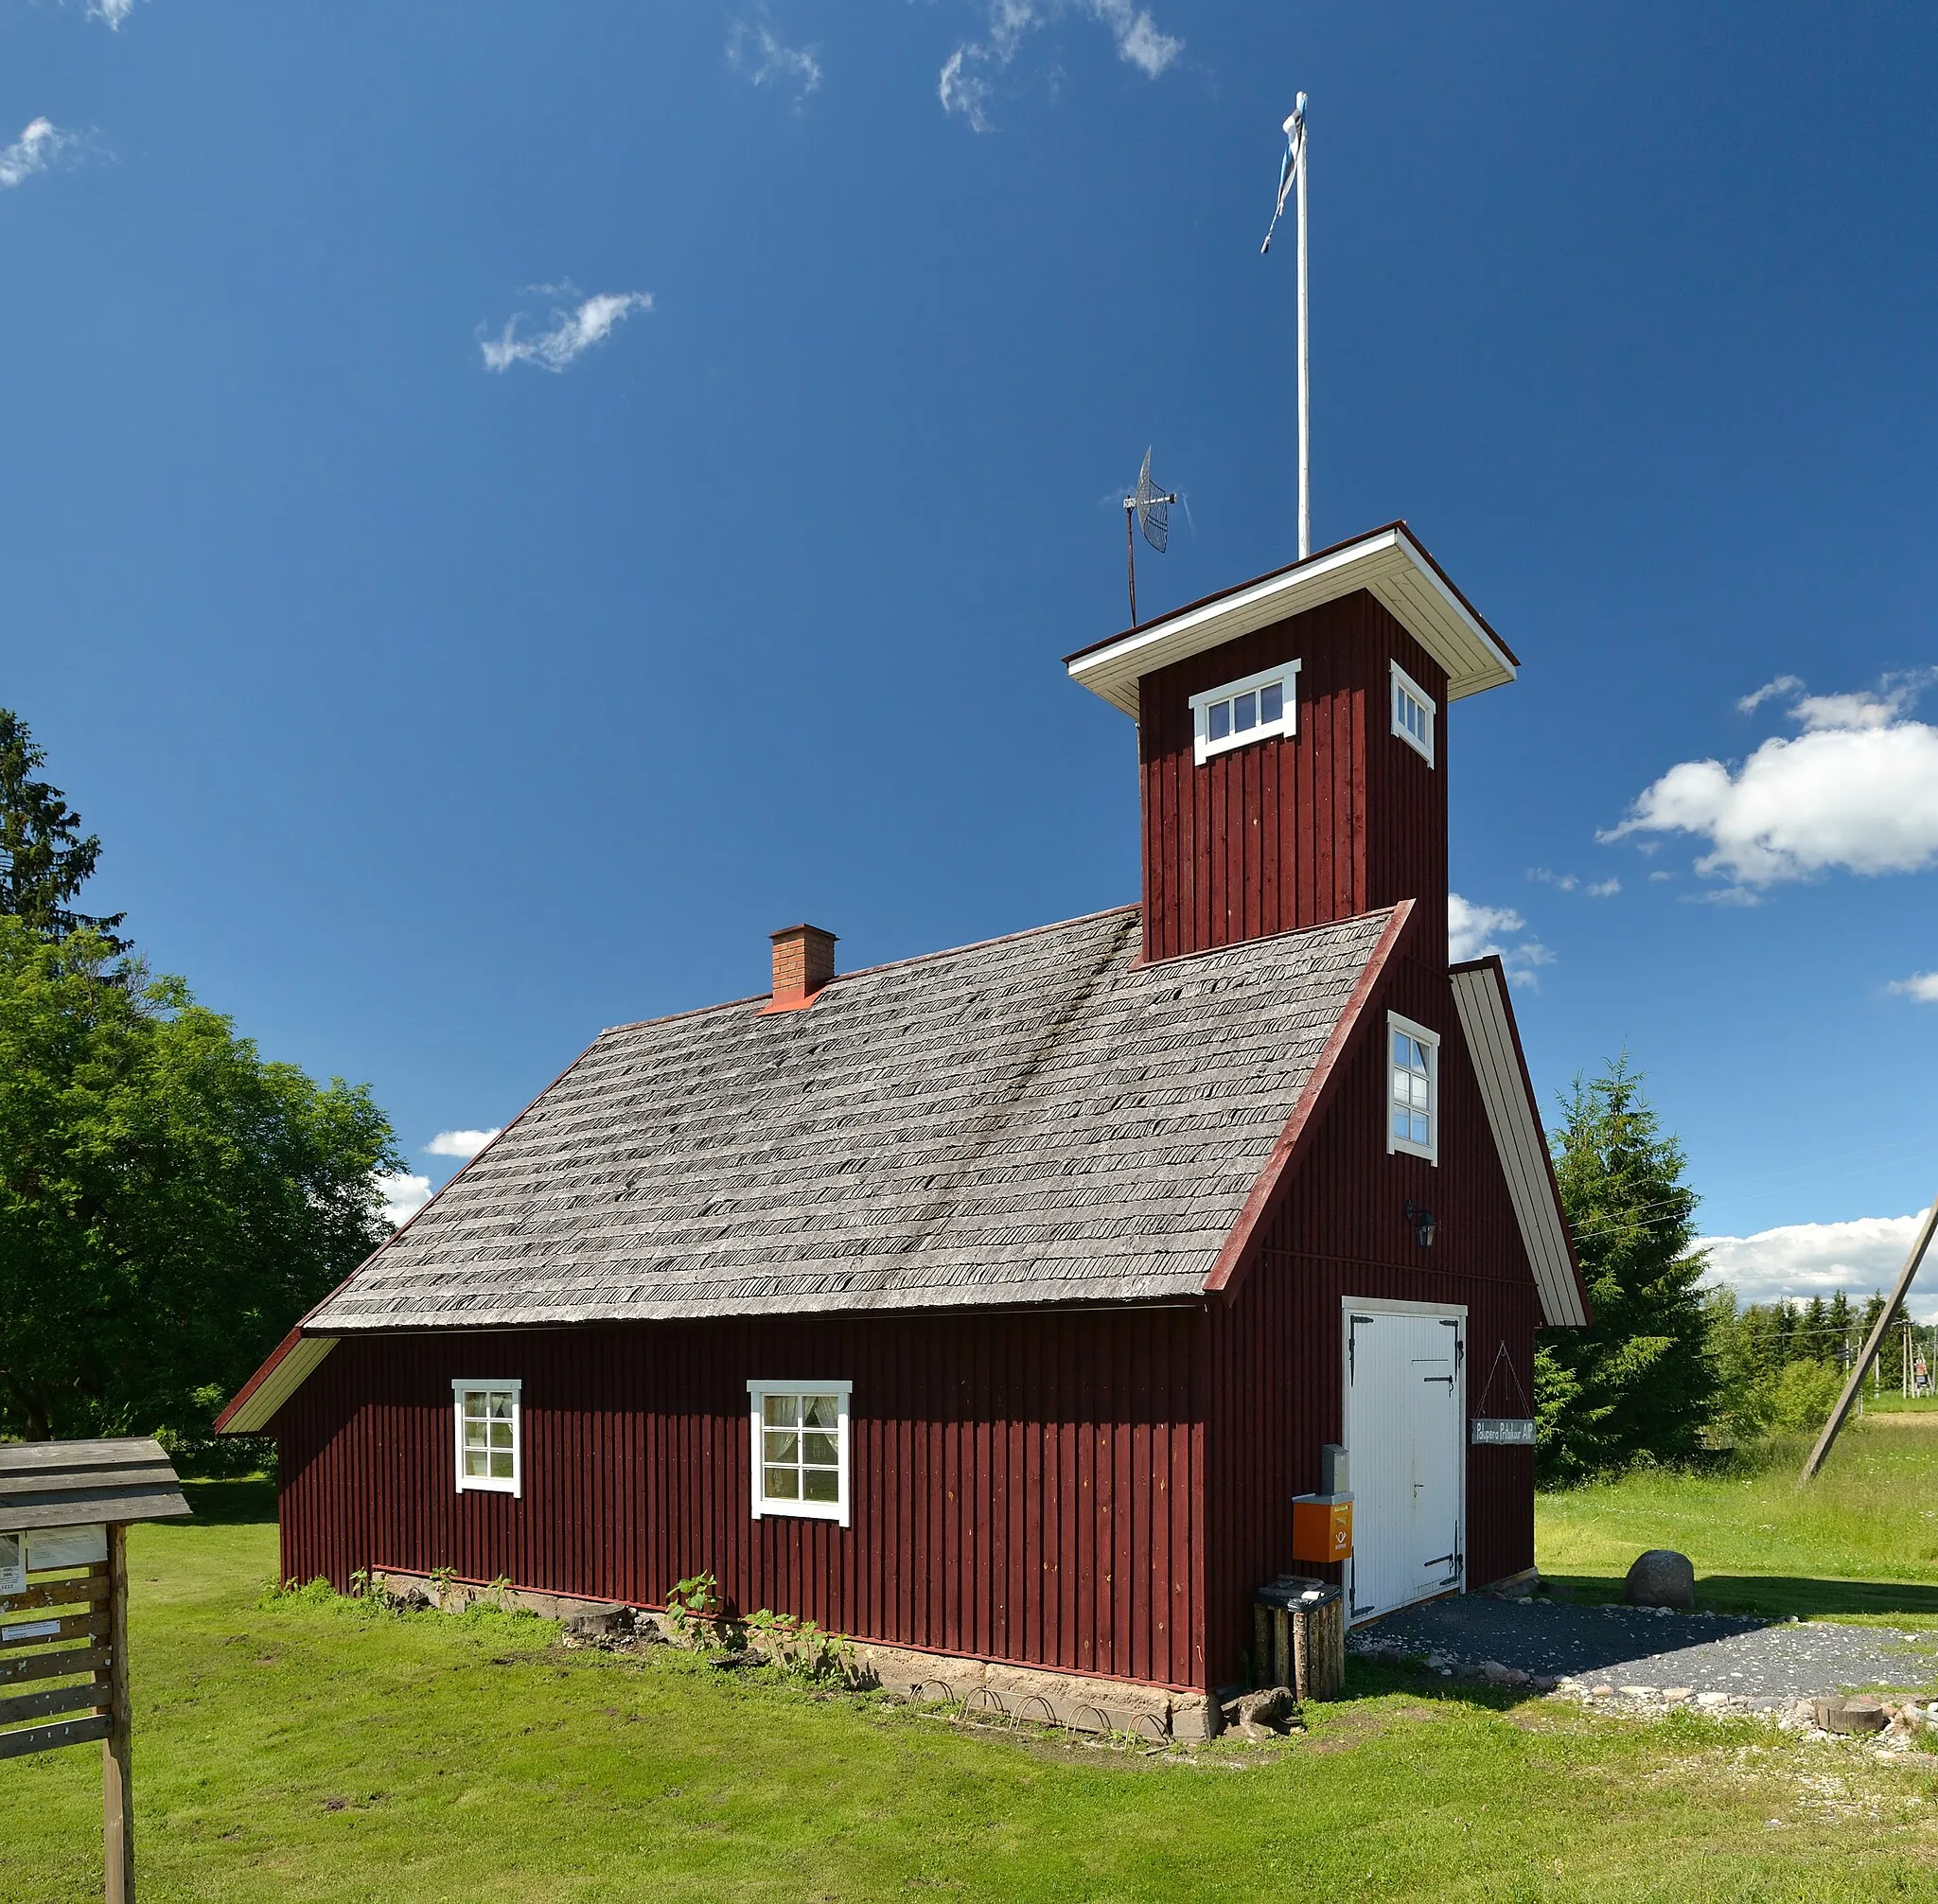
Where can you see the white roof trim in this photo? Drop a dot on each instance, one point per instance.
(281, 1383)
(1488, 1027)
(1386, 564)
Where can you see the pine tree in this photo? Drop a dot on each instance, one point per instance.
(43, 860)
(1638, 1382)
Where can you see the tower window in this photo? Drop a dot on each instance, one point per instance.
(1413, 713)
(1261, 707)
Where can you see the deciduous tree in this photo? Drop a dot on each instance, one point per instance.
(169, 1201)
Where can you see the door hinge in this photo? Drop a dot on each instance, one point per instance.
(1352, 1345)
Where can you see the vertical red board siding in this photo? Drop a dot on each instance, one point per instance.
(1022, 1486)
(1338, 1229)
(1338, 818)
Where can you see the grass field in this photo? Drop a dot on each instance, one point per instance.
(301, 1748)
(1861, 1543)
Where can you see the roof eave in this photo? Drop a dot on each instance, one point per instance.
(1390, 564)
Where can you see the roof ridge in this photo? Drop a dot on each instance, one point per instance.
(887, 965)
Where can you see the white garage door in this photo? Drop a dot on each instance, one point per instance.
(1406, 1407)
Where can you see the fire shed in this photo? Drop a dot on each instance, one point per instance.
(993, 1306)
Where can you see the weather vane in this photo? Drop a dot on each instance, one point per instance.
(1150, 508)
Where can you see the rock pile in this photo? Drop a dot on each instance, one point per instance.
(1890, 1723)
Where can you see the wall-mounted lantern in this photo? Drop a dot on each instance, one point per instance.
(1423, 1224)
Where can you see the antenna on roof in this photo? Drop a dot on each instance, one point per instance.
(1291, 169)
(1150, 509)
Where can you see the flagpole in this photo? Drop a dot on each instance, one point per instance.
(1305, 471)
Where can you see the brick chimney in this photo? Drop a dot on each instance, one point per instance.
(803, 962)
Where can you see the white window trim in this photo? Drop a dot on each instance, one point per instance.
(807, 1510)
(489, 1484)
(1285, 726)
(1406, 1146)
(1402, 680)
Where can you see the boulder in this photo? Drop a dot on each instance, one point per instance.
(1268, 1712)
(1662, 1577)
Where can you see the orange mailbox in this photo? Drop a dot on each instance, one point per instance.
(1321, 1527)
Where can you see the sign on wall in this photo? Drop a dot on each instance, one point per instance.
(1502, 1431)
(49, 1548)
(12, 1563)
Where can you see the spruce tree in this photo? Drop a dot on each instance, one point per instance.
(1638, 1382)
(1816, 1331)
(43, 860)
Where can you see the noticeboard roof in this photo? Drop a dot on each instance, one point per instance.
(68, 1484)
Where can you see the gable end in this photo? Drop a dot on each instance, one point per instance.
(1493, 1044)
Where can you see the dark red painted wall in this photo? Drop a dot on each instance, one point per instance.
(1340, 1230)
(1023, 1487)
(1339, 819)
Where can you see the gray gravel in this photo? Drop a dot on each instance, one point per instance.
(1762, 1662)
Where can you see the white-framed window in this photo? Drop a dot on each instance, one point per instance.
(1413, 1090)
(1413, 713)
(1261, 707)
(490, 1455)
(800, 1449)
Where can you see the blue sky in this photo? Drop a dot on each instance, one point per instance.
(502, 506)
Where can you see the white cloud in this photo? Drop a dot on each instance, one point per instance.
(966, 80)
(111, 12)
(403, 1196)
(37, 147)
(1479, 931)
(1568, 882)
(755, 51)
(1814, 1258)
(1783, 684)
(1855, 791)
(1923, 986)
(465, 1144)
(576, 328)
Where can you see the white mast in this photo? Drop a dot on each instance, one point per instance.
(1305, 452)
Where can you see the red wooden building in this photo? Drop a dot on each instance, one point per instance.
(997, 1303)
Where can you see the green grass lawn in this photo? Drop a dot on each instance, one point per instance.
(1860, 1542)
(301, 1748)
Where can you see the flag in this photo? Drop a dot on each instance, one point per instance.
(1288, 166)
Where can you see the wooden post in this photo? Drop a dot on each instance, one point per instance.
(117, 1783)
(1820, 1453)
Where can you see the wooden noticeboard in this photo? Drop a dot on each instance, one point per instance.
(64, 1510)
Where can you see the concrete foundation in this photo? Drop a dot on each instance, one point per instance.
(1076, 1701)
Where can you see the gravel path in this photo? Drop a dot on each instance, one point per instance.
(1761, 1662)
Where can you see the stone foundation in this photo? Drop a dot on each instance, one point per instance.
(1075, 1700)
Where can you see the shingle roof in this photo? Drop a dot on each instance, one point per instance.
(1039, 1118)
